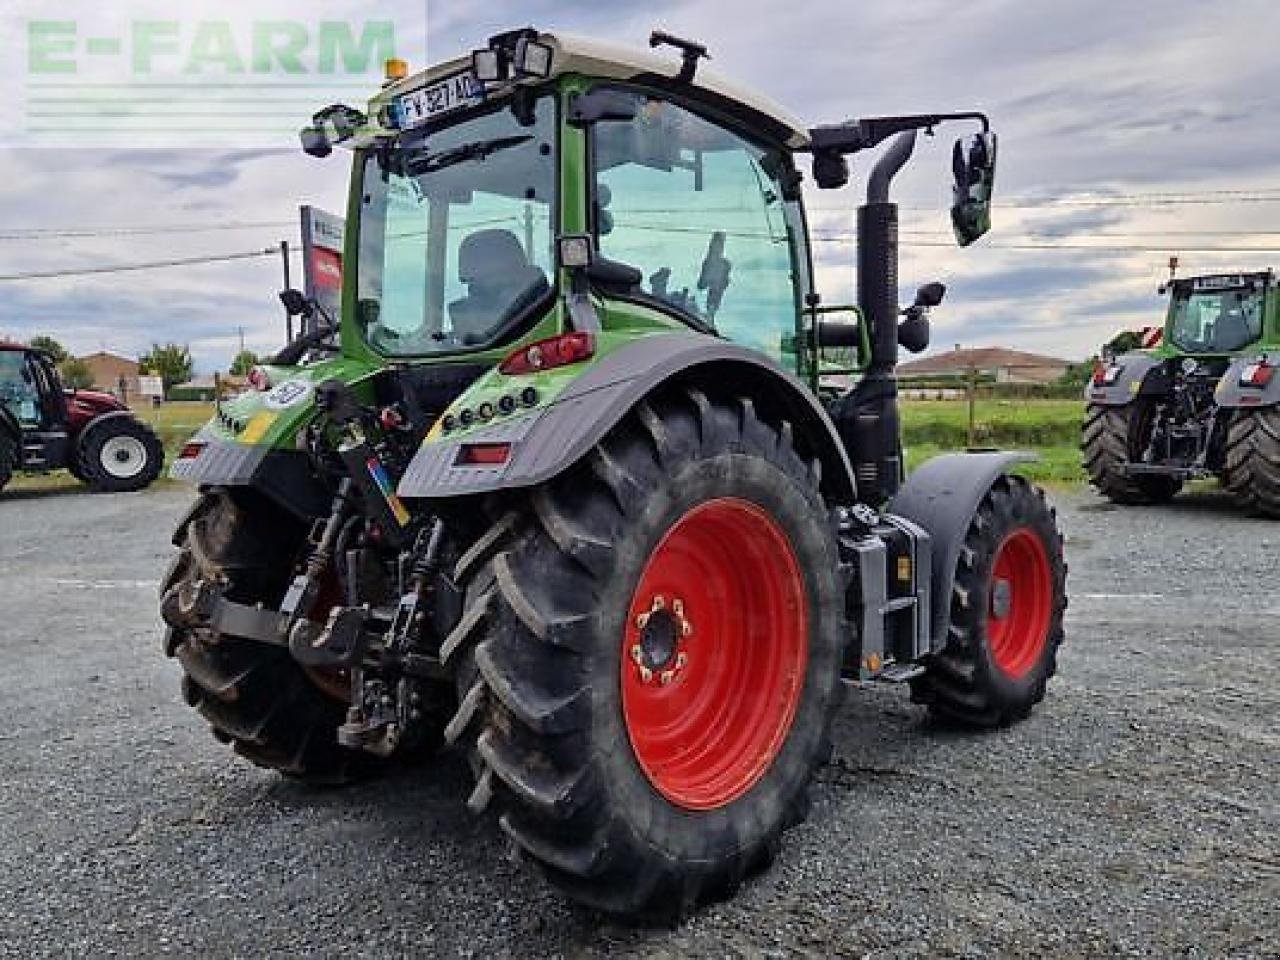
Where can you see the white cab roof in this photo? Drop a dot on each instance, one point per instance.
(596, 59)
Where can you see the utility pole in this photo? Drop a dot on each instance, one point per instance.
(1173, 267)
(288, 283)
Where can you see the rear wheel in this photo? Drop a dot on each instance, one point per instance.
(254, 696)
(649, 662)
(1253, 460)
(1006, 612)
(1117, 435)
(118, 455)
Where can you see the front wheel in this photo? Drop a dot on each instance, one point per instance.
(649, 663)
(1007, 606)
(119, 455)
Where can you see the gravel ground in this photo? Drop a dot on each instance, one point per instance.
(1135, 814)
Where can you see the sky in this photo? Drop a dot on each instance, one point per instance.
(1106, 111)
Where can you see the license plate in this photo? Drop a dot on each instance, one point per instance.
(443, 96)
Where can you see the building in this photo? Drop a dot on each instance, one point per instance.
(113, 374)
(998, 363)
(205, 388)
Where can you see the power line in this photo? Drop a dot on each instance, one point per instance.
(129, 267)
(85, 232)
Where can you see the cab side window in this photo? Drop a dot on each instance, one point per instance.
(700, 212)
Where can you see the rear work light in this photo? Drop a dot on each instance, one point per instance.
(550, 353)
(1257, 375)
(483, 455)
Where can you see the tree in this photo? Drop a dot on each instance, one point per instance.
(50, 346)
(1122, 343)
(75, 373)
(245, 361)
(170, 362)
(1078, 374)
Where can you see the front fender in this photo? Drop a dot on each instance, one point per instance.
(1141, 375)
(550, 438)
(942, 496)
(1230, 395)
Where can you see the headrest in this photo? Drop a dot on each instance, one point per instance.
(487, 254)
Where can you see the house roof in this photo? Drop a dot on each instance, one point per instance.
(981, 358)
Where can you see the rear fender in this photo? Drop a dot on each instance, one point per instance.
(942, 496)
(549, 439)
(1141, 375)
(1230, 395)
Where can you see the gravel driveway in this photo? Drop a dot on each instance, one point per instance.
(1137, 813)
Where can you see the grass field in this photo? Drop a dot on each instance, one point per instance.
(1050, 428)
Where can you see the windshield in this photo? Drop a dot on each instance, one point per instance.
(1219, 321)
(456, 233)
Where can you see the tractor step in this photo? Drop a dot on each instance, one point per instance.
(900, 672)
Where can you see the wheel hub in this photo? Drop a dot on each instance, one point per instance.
(1001, 599)
(660, 655)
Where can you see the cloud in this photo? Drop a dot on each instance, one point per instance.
(1091, 99)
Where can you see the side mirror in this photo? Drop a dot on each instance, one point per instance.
(930, 295)
(973, 161)
(315, 142)
(295, 303)
(913, 332)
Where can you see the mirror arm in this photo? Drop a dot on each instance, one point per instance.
(856, 135)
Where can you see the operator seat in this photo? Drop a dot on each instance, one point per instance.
(1232, 331)
(501, 283)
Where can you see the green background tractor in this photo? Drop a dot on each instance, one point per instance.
(578, 495)
(1204, 402)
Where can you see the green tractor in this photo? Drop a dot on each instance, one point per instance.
(1201, 400)
(576, 495)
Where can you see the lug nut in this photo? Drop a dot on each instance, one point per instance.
(641, 621)
(637, 654)
(677, 607)
(645, 674)
(667, 676)
(682, 660)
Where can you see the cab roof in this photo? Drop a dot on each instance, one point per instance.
(592, 58)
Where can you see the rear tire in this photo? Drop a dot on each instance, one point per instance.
(119, 455)
(573, 597)
(1252, 471)
(254, 696)
(1006, 612)
(1116, 435)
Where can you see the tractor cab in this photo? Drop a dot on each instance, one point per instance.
(29, 387)
(1219, 315)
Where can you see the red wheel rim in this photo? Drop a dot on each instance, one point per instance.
(1021, 602)
(714, 654)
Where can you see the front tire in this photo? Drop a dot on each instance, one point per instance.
(1007, 606)
(1253, 461)
(1116, 435)
(649, 662)
(119, 455)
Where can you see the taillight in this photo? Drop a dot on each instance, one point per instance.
(483, 455)
(1105, 376)
(191, 449)
(259, 379)
(1257, 375)
(1099, 371)
(550, 353)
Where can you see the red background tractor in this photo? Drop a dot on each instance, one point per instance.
(46, 427)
